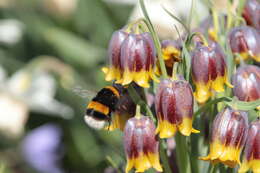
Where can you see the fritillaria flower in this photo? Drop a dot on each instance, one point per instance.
(114, 51)
(171, 52)
(132, 58)
(174, 108)
(246, 83)
(245, 41)
(251, 158)
(141, 145)
(209, 70)
(228, 136)
(251, 13)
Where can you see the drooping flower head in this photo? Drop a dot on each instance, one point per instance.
(114, 52)
(209, 70)
(228, 136)
(132, 58)
(141, 145)
(171, 53)
(251, 158)
(174, 108)
(251, 13)
(245, 41)
(246, 83)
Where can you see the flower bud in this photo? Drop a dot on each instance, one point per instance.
(228, 136)
(209, 70)
(251, 158)
(141, 145)
(246, 83)
(251, 13)
(245, 41)
(132, 58)
(174, 108)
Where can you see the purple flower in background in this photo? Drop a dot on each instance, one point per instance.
(41, 148)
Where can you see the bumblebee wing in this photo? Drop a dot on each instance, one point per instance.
(83, 93)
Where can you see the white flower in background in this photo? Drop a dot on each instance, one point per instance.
(11, 31)
(27, 90)
(61, 7)
(163, 23)
(13, 115)
(38, 89)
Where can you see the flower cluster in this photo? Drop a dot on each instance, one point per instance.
(135, 56)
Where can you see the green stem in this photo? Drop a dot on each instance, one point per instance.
(190, 14)
(155, 39)
(212, 168)
(174, 71)
(138, 100)
(215, 20)
(113, 164)
(138, 111)
(164, 158)
(182, 154)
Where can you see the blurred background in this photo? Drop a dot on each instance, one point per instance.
(51, 50)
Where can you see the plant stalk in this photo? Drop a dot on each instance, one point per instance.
(164, 158)
(182, 154)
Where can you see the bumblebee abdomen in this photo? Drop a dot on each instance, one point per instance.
(98, 111)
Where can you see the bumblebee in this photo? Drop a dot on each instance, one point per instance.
(100, 108)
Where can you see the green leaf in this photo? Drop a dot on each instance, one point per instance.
(244, 106)
(93, 19)
(208, 104)
(74, 49)
(187, 59)
(177, 19)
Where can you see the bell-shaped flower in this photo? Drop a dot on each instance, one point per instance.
(141, 145)
(114, 51)
(228, 137)
(251, 13)
(174, 108)
(246, 83)
(245, 41)
(251, 158)
(209, 70)
(132, 58)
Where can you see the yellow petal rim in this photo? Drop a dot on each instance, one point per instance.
(144, 162)
(118, 122)
(126, 77)
(169, 51)
(202, 93)
(168, 130)
(228, 155)
(253, 164)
